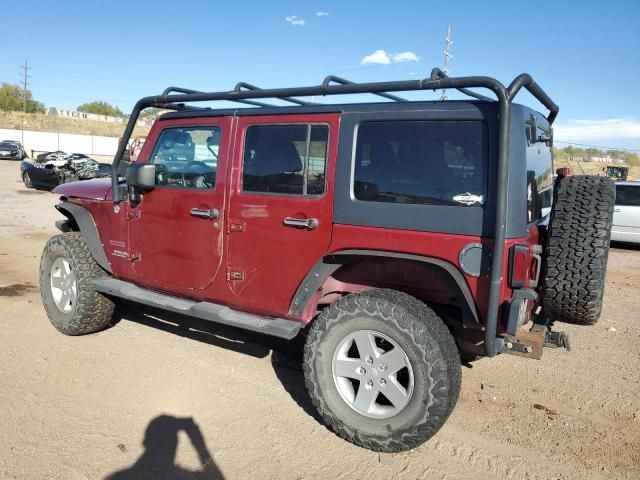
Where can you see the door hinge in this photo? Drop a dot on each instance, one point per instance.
(132, 213)
(236, 226)
(234, 275)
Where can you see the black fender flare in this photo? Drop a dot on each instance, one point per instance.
(330, 263)
(87, 226)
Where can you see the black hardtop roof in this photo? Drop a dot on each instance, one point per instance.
(449, 106)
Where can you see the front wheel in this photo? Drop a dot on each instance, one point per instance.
(67, 270)
(27, 180)
(382, 370)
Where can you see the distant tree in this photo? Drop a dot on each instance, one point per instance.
(12, 99)
(100, 108)
(594, 152)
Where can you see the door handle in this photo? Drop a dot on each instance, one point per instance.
(204, 213)
(309, 223)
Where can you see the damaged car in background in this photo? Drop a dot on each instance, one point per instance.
(51, 169)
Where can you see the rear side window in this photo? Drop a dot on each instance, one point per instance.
(285, 159)
(539, 178)
(421, 162)
(628, 195)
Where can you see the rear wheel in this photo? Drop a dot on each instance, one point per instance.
(382, 369)
(577, 249)
(67, 270)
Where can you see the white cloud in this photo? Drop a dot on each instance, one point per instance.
(293, 20)
(381, 57)
(404, 57)
(608, 132)
(378, 57)
(322, 14)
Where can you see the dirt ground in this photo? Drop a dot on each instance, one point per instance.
(158, 396)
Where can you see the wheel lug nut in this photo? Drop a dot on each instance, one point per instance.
(370, 383)
(369, 360)
(383, 381)
(362, 371)
(383, 367)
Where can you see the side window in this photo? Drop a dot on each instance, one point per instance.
(187, 157)
(288, 159)
(421, 162)
(539, 176)
(628, 195)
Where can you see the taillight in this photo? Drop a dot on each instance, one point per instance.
(563, 172)
(518, 266)
(525, 262)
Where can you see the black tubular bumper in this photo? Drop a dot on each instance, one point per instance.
(248, 94)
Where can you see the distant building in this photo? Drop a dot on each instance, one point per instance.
(59, 112)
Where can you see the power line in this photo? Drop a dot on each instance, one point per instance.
(597, 146)
(25, 82)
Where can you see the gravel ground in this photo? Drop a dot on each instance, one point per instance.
(159, 396)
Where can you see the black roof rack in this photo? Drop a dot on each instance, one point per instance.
(342, 81)
(244, 86)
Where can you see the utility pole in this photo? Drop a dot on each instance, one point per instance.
(447, 56)
(25, 82)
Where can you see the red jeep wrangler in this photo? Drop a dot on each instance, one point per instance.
(395, 235)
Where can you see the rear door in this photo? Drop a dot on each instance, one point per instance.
(280, 215)
(626, 215)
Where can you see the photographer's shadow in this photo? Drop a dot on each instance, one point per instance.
(161, 443)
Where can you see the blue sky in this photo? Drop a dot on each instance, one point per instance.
(119, 51)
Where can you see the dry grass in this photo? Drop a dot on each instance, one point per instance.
(591, 168)
(42, 123)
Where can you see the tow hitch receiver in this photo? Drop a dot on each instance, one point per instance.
(530, 343)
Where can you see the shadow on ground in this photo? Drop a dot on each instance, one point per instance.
(286, 356)
(625, 246)
(160, 445)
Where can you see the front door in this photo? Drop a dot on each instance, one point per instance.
(280, 216)
(176, 231)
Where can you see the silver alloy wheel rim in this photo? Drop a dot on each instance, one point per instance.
(378, 380)
(64, 286)
(27, 179)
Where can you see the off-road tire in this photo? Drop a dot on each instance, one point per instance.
(92, 311)
(577, 249)
(27, 180)
(429, 346)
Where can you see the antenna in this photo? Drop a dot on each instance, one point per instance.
(447, 56)
(25, 82)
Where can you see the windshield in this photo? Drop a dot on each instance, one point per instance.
(7, 145)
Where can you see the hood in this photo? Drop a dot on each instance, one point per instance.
(94, 189)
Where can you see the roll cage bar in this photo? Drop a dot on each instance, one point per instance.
(175, 98)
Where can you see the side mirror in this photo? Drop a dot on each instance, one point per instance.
(141, 175)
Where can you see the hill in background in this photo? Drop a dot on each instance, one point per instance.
(40, 122)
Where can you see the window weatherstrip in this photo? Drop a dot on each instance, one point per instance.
(305, 167)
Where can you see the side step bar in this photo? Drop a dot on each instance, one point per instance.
(277, 327)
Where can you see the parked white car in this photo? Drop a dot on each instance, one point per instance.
(626, 216)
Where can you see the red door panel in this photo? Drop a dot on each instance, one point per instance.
(268, 255)
(172, 248)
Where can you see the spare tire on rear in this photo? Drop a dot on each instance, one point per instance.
(577, 249)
